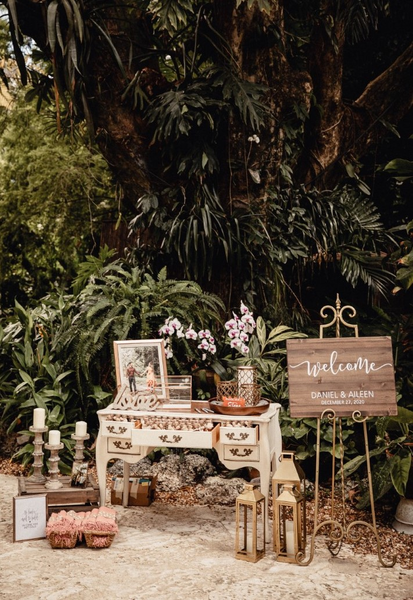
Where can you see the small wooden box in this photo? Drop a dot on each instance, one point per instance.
(66, 497)
(141, 490)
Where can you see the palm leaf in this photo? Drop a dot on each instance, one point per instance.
(52, 17)
(114, 51)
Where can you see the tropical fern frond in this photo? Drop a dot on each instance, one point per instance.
(358, 265)
(361, 16)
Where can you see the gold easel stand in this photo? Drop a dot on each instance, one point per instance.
(339, 531)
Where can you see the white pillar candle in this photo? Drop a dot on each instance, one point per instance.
(289, 537)
(54, 437)
(81, 428)
(39, 415)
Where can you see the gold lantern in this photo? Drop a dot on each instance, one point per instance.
(250, 524)
(247, 385)
(289, 519)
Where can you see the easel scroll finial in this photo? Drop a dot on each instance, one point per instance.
(338, 318)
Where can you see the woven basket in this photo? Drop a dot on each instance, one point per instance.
(57, 539)
(99, 539)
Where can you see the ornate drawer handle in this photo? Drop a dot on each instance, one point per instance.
(242, 437)
(118, 444)
(111, 429)
(236, 452)
(175, 439)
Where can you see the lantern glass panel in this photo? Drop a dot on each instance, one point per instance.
(250, 525)
(288, 524)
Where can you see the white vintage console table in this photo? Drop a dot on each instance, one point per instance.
(256, 442)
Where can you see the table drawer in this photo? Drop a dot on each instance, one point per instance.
(117, 429)
(245, 454)
(123, 446)
(245, 436)
(175, 438)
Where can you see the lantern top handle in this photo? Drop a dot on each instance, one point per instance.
(286, 455)
(250, 494)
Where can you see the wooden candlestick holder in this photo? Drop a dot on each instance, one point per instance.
(53, 482)
(79, 447)
(37, 475)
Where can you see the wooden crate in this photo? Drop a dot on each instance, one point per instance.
(66, 497)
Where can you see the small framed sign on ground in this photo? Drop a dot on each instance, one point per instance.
(29, 517)
(341, 374)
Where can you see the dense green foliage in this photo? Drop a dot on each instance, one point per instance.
(252, 163)
(54, 194)
(59, 355)
(279, 244)
(216, 142)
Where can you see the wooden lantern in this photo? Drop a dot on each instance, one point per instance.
(250, 524)
(289, 519)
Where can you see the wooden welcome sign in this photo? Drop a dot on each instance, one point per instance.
(341, 374)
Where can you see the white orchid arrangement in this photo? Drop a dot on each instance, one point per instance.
(238, 333)
(239, 329)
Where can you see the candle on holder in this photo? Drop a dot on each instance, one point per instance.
(81, 428)
(39, 415)
(54, 437)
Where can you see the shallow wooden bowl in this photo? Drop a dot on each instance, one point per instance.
(257, 409)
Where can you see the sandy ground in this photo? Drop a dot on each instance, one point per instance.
(172, 552)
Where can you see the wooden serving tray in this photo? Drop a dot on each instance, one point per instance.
(239, 411)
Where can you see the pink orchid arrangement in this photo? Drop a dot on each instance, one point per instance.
(238, 329)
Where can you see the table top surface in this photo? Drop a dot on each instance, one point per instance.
(191, 411)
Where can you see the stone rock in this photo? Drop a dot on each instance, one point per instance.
(173, 471)
(139, 469)
(217, 490)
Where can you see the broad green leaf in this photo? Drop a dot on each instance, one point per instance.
(55, 412)
(51, 370)
(51, 23)
(28, 354)
(404, 415)
(62, 376)
(382, 483)
(78, 20)
(40, 400)
(26, 378)
(400, 470)
(400, 167)
(261, 331)
(352, 465)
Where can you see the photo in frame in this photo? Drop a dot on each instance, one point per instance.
(141, 366)
(29, 517)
